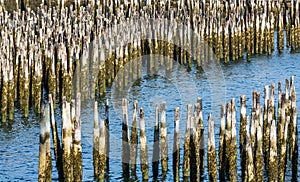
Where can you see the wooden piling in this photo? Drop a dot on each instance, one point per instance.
(11, 93)
(67, 141)
(294, 148)
(273, 159)
(102, 152)
(143, 147)
(243, 124)
(258, 156)
(250, 174)
(283, 151)
(228, 139)
(134, 138)
(176, 146)
(194, 152)
(107, 136)
(77, 153)
(222, 141)
(45, 162)
(211, 155)
(233, 148)
(186, 147)
(164, 139)
(293, 124)
(96, 142)
(56, 141)
(156, 149)
(200, 130)
(125, 140)
(4, 93)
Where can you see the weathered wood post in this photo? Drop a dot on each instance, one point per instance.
(125, 140)
(200, 131)
(176, 146)
(56, 142)
(143, 147)
(107, 137)
(186, 147)
(67, 141)
(77, 155)
(194, 152)
(250, 174)
(102, 152)
(156, 149)
(164, 139)
(4, 93)
(243, 132)
(211, 154)
(283, 151)
(11, 92)
(294, 151)
(228, 139)
(266, 126)
(45, 163)
(96, 142)
(258, 156)
(233, 148)
(273, 158)
(222, 153)
(134, 138)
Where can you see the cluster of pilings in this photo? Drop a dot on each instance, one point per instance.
(46, 49)
(67, 148)
(268, 139)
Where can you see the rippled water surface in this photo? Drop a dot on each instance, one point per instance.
(216, 84)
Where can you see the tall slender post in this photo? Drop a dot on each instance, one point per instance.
(77, 160)
(273, 159)
(144, 147)
(243, 124)
(134, 138)
(259, 160)
(45, 163)
(102, 152)
(107, 137)
(211, 155)
(96, 142)
(125, 140)
(155, 156)
(56, 142)
(222, 146)
(164, 139)
(186, 147)
(176, 146)
(67, 141)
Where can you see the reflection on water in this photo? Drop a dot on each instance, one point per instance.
(19, 140)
